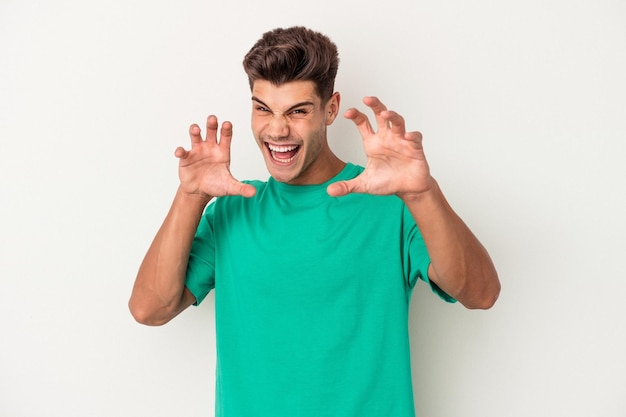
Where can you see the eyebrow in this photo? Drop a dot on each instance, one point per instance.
(295, 106)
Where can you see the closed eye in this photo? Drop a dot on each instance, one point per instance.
(301, 112)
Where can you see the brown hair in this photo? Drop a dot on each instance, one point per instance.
(294, 54)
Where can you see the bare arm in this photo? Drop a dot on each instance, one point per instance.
(396, 164)
(460, 265)
(159, 293)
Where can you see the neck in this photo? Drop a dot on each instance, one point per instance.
(323, 169)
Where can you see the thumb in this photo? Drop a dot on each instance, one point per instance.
(341, 188)
(234, 187)
(246, 190)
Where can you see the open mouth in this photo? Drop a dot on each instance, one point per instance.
(283, 154)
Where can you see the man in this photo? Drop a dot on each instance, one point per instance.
(313, 269)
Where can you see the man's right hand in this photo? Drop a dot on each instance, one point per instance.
(204, 170)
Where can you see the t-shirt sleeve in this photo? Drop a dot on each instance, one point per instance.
(200, 279)
(417, 259)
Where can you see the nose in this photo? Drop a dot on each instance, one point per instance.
(278, 126)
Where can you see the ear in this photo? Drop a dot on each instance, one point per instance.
(332, 108)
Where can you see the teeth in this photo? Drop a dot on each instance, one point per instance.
(276, 148)
(285, 161)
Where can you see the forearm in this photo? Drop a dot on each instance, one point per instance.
(159, 291)
(460, 265)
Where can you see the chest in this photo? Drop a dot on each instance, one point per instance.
(317, 251)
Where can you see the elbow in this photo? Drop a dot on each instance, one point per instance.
(484, 303)
(144, 315)
(486, 297)
(479, 292)
(151, 310)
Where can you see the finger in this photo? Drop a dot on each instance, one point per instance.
(414, 137)
(378, 108)
(247, 190)
(180, 153)
(195, 134)
(360, 120)
(211, 128)
(235, 187)
(341, 188)
(375, 104)
(226, 134)
(396, 122)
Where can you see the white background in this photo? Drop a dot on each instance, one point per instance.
(523, 109)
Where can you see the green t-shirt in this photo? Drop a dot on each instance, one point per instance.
(311, 297)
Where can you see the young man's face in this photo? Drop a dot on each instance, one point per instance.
(289, 123)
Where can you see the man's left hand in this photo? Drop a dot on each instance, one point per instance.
(396, 163)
